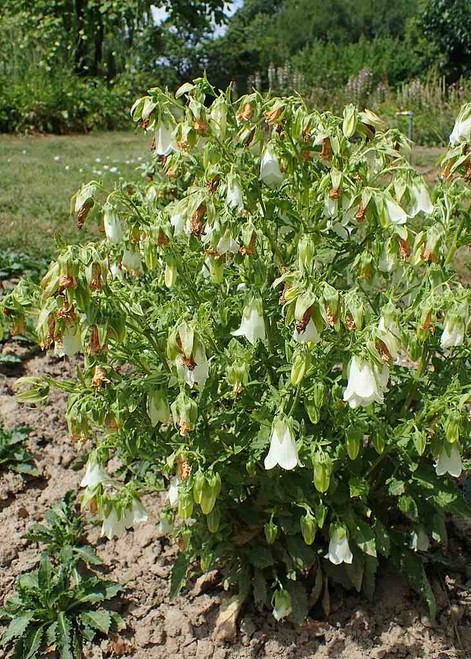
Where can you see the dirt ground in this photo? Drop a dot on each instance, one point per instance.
(394, 625)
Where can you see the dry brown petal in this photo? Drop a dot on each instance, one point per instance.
(326, 151)
(303, 323)
(200, 126)
(162, 239)
(404, 247)
(335, 193)
(350, 323)
(184, 468)
(383, 349)
(272, 116)
(361, 212)
(213, 183)
(196, 224)
(65, 282)
(99, 376)
(83, 212)
(246, 112)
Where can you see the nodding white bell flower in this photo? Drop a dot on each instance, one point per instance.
(339, 549)
(94, 474)
(395, 213)
(449, 461)
(113, 526)
(453, 332)
(136, 514)
(71, 340)
(462, 129)
(227, 244)
(421, 200)
(281, 604)
(252, 325)
(419, 540)
(283, 449)
(234, 197)
(178, 222)
(366, 383)
(164, 527)
(113, 228)
(309, 334)
(270, 171)
(197, 374)
(165, 143)
(116, 271)
(131, 261)
(172, 492)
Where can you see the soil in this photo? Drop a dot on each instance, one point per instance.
(394, 625)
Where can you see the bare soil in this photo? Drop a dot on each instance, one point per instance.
(394, 625)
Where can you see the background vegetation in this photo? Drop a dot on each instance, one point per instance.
(77, 66)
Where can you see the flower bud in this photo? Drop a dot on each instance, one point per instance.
(157, 407)
(452, 426)
(420, 441)
(301, 363)
(213, 519)
(210, 492)
(198, 484)
(206, 560)
(314, 402)
(306, 253)
(350, 118)
(281, 604)
(238, 376)
(378, 440)
(322, 471)
(354, 438)
(271, 531)
(171, 272)
(308, 527)
(185, 504)
(185, 413)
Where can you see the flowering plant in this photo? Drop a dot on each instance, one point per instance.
(273, 333)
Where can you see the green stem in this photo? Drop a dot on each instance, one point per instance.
(453, 247)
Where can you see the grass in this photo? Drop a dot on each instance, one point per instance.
(36, 188)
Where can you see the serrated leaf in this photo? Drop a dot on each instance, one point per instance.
(365, 537)
(64, 636)
(412, 568)
(179, 570)
(359, 487)
(87, 555)
(32, 641)
(45, 574)
(260, 557)
(299, 603)
(302, 554)
(100, 620)
(259, 589)
(17, 627)
(51, 634)
(396, 487)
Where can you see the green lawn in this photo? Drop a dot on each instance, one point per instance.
(39, 174)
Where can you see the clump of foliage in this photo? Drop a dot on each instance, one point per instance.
(63, 532)
(13, 452)
(52, 611)
(281, 338)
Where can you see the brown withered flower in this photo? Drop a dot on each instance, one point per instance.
(361, 212)
(335, 193)
(404, 247)
(196, 223)
(350, 323)
(272, 116)
(95, 283)
(383, 349)
(65, 282)
(213, 184)
(200, 126)
(99, 377)
(183, 468)
(83, 212)
(246, 112)
(162, 239)
(250, 250)
(303, 323)
(427, 324)
(326, 151)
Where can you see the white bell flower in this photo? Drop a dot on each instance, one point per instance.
(339, 549)
(136, 514)
(164, 527)
(113, 228)
(396, 214)
(309, 334)
(252, 325)
(94, 474)
(131, 261)
(421, 200)
(453, 332)
(366, 383)
(178, 222)
(197, 374)
(165, 143)
(270, 171)
(227, 244)
(283, 449)
(113, 526)
(449, 462)
(234, 197)
(281, 604)
(172, 492)
(116, 271)
(71, 341)
(462, 129)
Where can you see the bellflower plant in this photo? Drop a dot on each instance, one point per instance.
(275, 337)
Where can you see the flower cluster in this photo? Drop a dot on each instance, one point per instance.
(273, 332)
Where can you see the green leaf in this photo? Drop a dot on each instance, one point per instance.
(17, 627)
(100, 620)
(299, 602)
(179, 570)
(45, 574)
(365, 537)
(259, 589)
(355, 572)
(51, 633)
(260, 557)
(369, 578)
(395, 487)
(87, 555)
(32, 641)
(64, 636)
(302, 554)
(409, 507)
(359, 487)
(383, 541)
(412, 568)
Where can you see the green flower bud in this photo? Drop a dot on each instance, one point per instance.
(378, 440)
(322, 471)
(210, 492)
(301, 362)
(206, 560)
(350, 119)
(271, 531)
(213, 519)
(308, 528)
(452, 426)
(354, 438)
(199, 480)
(185, 413)
(171, 272)
(185, 504)
(366, 265)
(216, 270)
(314, 402)
(187, 338)
(281, 601)
(420, 441)
(306, 253)
(238, 376)
(414, 347)
(157, 407)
